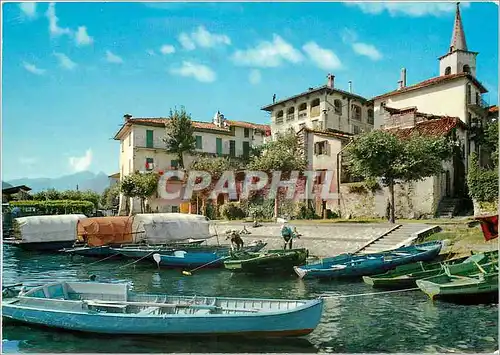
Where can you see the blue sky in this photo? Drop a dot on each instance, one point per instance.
(72, 70)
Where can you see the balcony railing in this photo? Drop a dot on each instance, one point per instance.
(302, 114)
(290, 117)
(279, 120)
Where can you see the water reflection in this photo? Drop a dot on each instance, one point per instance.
(396, 322)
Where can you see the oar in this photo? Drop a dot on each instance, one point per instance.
(189, 273)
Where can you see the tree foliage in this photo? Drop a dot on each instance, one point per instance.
(180, 137)
(110, 197)
(383, 155)
(50, 207)
(73, 195)
(139, 185)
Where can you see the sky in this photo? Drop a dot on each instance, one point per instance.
(70, 71)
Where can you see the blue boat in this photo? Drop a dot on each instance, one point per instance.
(113, 309)
(183, 259)
(349, 265)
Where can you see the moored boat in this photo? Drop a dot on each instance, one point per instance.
(271, 261)
(113, 309)
(405, 276)
(460, 283)
(349, 265)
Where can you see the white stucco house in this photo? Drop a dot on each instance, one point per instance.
(142, 148)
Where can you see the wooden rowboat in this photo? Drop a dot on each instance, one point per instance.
(271, 261)
(405, 276)
(113, 309)
(349, 265)
(457, 284)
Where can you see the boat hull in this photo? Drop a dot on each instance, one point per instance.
(298, 322)
(275, 261)
(102, 251)
(41, 246)
(354, 266)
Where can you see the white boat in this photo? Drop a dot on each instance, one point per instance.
(113, 309)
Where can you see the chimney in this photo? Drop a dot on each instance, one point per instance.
(127, 117)
(402, 82)
(330, 82)
(350, 86)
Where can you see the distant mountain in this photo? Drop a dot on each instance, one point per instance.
(5, 185)
(85, 180)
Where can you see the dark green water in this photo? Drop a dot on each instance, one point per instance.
(394, 322)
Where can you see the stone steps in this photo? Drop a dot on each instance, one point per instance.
(392, 239)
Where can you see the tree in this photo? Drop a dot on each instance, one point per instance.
(110, 197)
(180, 135)
(216, 168)
(383, 154)
(279, 155)
(140, 185)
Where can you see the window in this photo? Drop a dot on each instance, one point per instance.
(290, 114)
(199, 144)
(149, 163)
(478, 98)
(315, 108)
(370, 116)
(356, 112)
(338, 106)
(356, 129)
(247, 132)
(232, 148)
(466, 69)
(232, 130)
(149, 138)
(279, 117)
(246, 149)
(469, 94)
(447, 71)
(175, 209)
(174, 164)
(218, 146)
(302, 110)
(322, 148)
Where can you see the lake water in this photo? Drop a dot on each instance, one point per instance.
(393, 322)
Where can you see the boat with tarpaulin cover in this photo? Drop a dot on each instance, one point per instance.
(270, 262)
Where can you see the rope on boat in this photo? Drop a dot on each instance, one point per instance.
(98, 261)
(136, 261)
(367, 294)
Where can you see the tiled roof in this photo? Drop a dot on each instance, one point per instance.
(493, 109)
(433, 81)
(434, 127)
(312, 91)
(161, 121)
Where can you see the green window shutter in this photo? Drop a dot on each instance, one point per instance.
(218, 146)
(149, 138)
(198, 143)
(246, 149)
(247, 132)
(232, 148)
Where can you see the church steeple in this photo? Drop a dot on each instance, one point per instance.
(458, 38)
(458, 59)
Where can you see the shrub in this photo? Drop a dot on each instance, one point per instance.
(232, 210)
(482, 183)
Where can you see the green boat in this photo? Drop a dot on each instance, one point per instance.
(452, 285)
(272, 261)
(405, 276)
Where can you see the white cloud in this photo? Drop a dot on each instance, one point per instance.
(323, 58)
(28, 9)
(54, 28)
(113, 58)
(206, 39)
(81, 163)
(200, 72)
(412, 9)
(254, 77)
(367, 50)
(65, 61)
(167, 49)
(33, 69)
(268, 54)
(202, 38)
(186, 42)
(82, 37)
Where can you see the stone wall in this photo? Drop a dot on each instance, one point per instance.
(413, 200)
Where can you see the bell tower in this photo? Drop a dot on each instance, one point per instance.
(458, 59)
